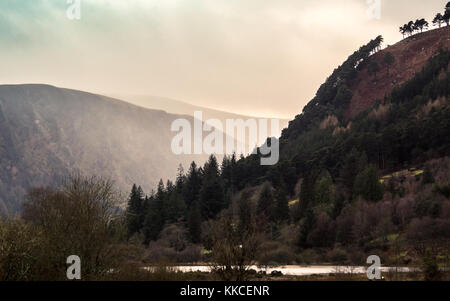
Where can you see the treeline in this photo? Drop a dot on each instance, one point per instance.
(408, 127)
(333, 96)
(420, 24)
(196, 196)
(328, 176)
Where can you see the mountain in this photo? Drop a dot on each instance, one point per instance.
(411, 56)
(179, 107)
(48, 132)
(364, 168)
(391, 119)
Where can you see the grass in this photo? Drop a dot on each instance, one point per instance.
(412, 172)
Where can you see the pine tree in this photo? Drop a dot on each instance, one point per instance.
(181, 179)
(211, 192)
(192, 185)
(227, 173)
(307, 192)
(156, 217)
(135, 213)
(194, 223)
(323, 191)
(265, 207)
(282, 205)
(367, 184)
(438, 20)
(175, 207)
(306, 227)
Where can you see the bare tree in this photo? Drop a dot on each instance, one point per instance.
(235, 250)
(81, 218)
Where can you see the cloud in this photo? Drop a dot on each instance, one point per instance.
(251, 56)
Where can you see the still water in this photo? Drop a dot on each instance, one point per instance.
(296, 270)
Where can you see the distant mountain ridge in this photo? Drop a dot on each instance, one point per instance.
(173, 106)
(48, 132)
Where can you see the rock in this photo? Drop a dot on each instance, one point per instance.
(276, 274)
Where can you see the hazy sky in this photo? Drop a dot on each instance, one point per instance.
(260, 57)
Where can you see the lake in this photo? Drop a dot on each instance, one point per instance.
(296, 270)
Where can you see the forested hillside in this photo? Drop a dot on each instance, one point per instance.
(325, 200)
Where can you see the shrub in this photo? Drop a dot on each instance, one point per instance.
(337, 255)
(430, 267)
(282, 255)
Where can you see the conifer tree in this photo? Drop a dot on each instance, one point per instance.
(194, 223)
(282, 205)
(211, 192)
(367, 184)
(134, 211)
(265, 207)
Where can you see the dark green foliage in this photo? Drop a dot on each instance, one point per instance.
(438, 19)
(211, 193)
(307, 226)
(135, 211)
(193, 184)
(282, 205)
(443, 189)
(427, 176)
(181, 180)
(245, 210)
(326, 161)
(155, 219)
(194, 223)
(327, 101)
(265, 207)
(339, 204)
(367, 185)
(307, 192)
(446, 16)
(430, 267)
(354, 163)
(175, 208)
(420, 24)
(324, 192)
(228, 173)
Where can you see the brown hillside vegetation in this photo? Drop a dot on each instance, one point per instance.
(410, 54)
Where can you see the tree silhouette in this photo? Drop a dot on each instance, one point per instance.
(438, 20)
(211, 195)
(420, 24)
(135, 214)
(402, 30)
(195, 223)
(409, 28)
(446, 16)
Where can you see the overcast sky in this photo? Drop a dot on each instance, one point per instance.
(258, 57)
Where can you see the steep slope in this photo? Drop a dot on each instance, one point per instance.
(47, 132)
(345, 123)
(411, 54)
